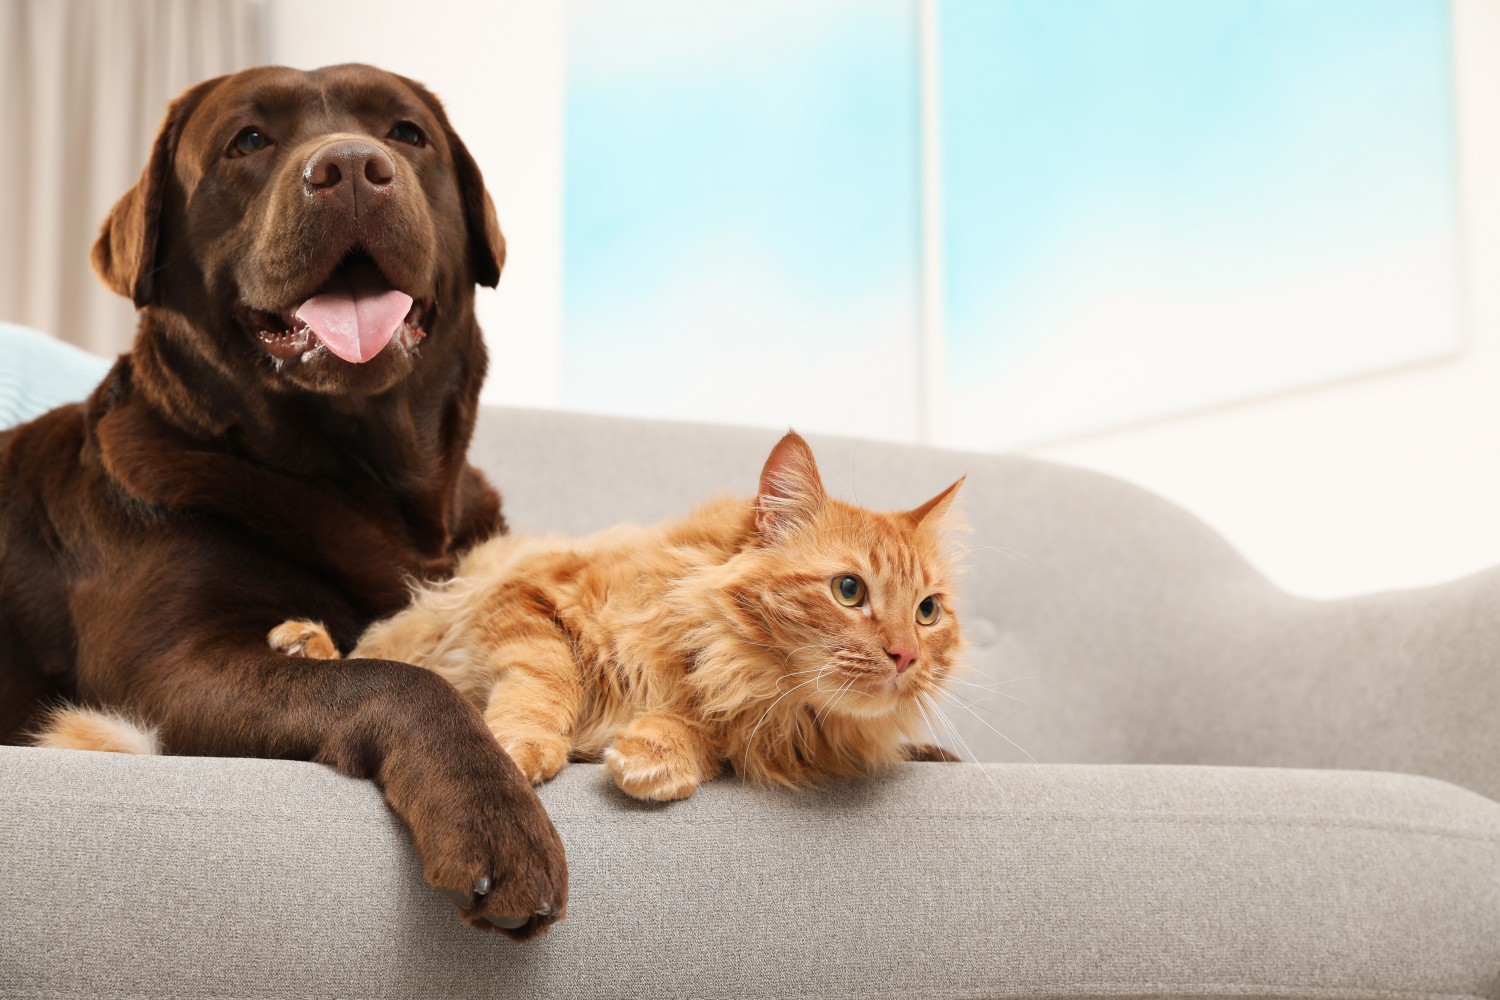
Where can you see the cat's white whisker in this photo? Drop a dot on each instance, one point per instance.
(956, 732)
(833, 701)
(764, 715)
(992, 729)
(951, 729)
(988, 691)
(943, 717)
(1015, 554)
(1017, 680)
(972, 684)
(928, 723)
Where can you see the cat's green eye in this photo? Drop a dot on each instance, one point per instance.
(848, 590)
(930, 610)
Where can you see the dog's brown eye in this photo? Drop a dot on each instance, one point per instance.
(930, 610)
(249, 140)
(848, 590)
(408, 133)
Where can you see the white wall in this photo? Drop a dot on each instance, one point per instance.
(498, 68)
(1384, 482)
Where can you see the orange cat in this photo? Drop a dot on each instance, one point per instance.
(793, 636)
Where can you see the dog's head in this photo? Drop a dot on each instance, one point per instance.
(321, 229)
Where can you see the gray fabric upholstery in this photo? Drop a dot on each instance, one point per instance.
(1133, 634)
(155, 877)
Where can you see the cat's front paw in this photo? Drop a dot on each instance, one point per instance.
(303, 638)
(539, 755)
(644, 768)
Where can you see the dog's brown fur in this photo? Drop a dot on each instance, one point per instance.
(206, 491)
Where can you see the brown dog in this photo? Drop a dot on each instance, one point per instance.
(286, 438)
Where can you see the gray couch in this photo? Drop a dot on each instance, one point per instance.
(1240, 793)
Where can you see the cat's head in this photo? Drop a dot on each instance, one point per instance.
(862, 600)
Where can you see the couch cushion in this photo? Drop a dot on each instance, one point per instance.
(196, 878)
(38, 373)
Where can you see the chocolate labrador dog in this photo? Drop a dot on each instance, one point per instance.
(286, 438)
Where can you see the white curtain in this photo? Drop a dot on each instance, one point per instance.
(85, 84)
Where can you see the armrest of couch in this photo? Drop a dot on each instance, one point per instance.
(208, 877)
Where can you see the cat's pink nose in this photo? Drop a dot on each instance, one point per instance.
(902, 657)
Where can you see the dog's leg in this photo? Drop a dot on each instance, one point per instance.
(481, 832)
(24, 690)
(72, 728)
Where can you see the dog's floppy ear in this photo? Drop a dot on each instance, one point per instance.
(124, 255)
(486, 242)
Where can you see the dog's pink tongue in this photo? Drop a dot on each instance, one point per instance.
(356, 313)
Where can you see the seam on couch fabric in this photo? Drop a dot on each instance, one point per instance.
(1040, 991)
(1292, 821)
(1237, 988)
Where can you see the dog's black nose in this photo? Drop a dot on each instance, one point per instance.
(356, 172)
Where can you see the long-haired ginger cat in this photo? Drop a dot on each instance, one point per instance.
(792, 636)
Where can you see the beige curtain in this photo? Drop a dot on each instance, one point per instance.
(85, 84)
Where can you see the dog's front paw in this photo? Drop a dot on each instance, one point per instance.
(647, 768)
(303, 638)
(489, 847)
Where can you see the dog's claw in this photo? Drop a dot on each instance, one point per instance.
(544, 909)
(465, 900)
(459, 898)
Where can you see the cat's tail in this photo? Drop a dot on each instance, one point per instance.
(72, 728)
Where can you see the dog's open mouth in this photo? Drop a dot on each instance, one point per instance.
(355, 315)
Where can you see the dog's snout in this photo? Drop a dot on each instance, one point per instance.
(379, 169)
(353, 171)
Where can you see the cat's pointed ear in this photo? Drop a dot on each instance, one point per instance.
(936, 509)
(791, 491)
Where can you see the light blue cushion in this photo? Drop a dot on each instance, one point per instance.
(38, 373)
